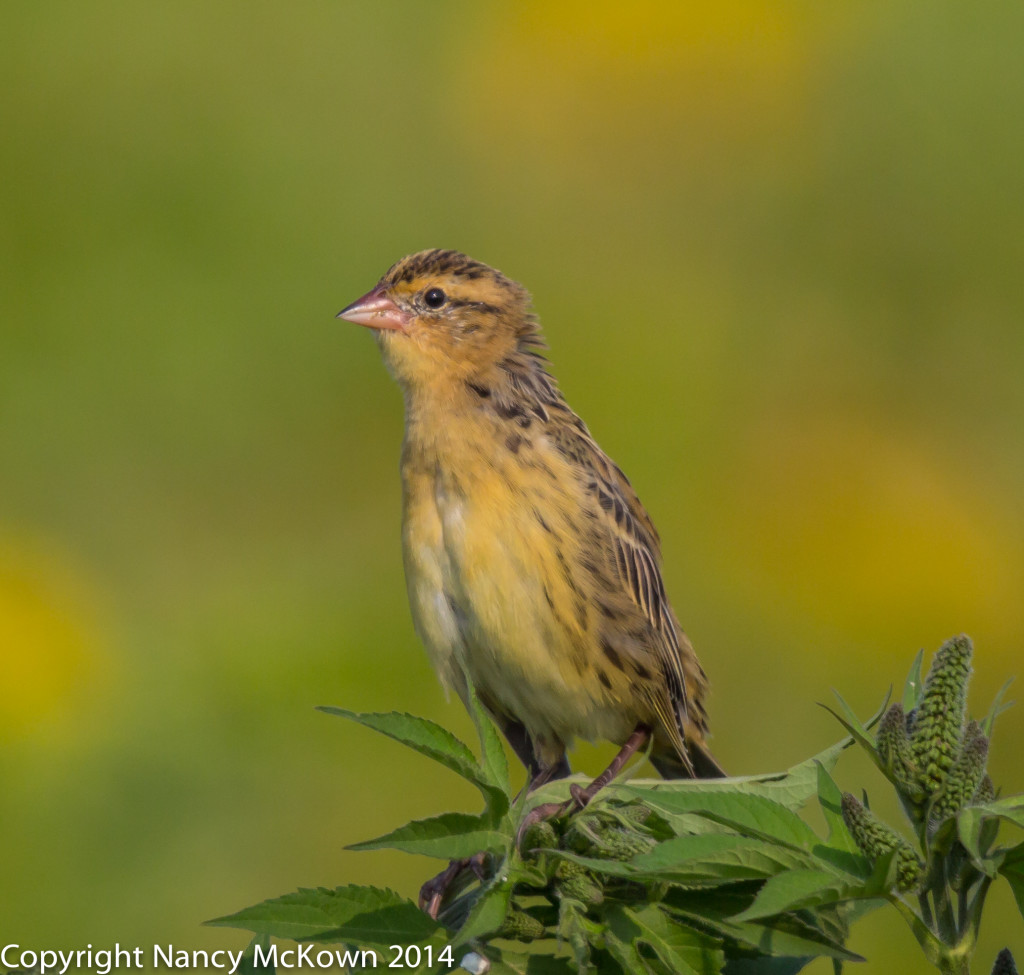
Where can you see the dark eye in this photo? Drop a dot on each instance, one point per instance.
(435, 298)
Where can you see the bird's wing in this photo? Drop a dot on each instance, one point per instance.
(631, 544)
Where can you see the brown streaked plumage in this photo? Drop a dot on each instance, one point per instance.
(532, 567)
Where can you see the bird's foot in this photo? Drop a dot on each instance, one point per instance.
(551, 810)
(580, 798)
(433, 891)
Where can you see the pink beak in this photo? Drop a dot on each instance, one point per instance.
(375, 310)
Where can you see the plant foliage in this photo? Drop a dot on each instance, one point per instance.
(693, 878)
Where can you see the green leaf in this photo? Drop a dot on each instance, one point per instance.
(430, 739)
(365, 915)
(971, 819)
(248, 965)
(913, 687)
(1012, 869)
(1011, 809)
(679, 948)
(577, 932)
(450, 836)
(830, 797)
(487, 914)
(798, 889)
(859, 731)
(788, 935)
(492, 752)
(713, 857)
(748, 813)
(997, 708)
(792, 890)
(517, 963)
(791, 788)
(767, 966)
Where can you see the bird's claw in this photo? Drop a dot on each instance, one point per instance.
(433, 891)
(580, 797)
(553, 810)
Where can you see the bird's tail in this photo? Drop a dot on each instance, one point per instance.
(671, 766)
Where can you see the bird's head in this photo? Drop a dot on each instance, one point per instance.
(439, 315)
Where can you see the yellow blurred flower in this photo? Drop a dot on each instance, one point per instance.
(50, 650)
(842, 520)
(635, 76)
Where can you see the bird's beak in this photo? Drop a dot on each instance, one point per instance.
(375, 310)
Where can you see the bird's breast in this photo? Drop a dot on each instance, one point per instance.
(493, 566)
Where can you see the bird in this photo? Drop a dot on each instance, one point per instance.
(533, 570)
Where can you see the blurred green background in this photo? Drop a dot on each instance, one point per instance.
(777, 250)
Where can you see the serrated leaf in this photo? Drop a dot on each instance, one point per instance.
(1012, 869)
(384, 927)
(429, 738)
(793, 890)
(715, 857)
(366, 915)
(450, 836)
(799, 889)
(790, 789)
(421, 734)
(747, 813)
(788, 935)
(487, 914)
(680, 948)
(492, 752)
(913, 686)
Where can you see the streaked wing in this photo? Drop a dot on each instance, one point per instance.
(632, 544)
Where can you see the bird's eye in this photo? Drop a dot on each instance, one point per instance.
(435, 298)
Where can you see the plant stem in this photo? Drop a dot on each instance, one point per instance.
(957, 960)
(934, 950)
(926, 909)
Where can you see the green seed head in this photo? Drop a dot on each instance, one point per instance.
(986, 792)
(623, 844)
(894, 750)
(875, 840)
(965, 776)
(580, 838)
(575, 881)
(909, 870)
(939, 720)
(635, 812)
(540, 836)
(520, 926)
(1004, 964)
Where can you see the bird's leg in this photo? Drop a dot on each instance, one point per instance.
(543, 774)
(638, 739)
(433, 891)
(581, 797)
(522, 744)
(546, 774)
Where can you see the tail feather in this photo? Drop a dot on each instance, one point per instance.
(670, 766)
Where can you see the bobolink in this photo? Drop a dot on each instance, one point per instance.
(532, 568)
